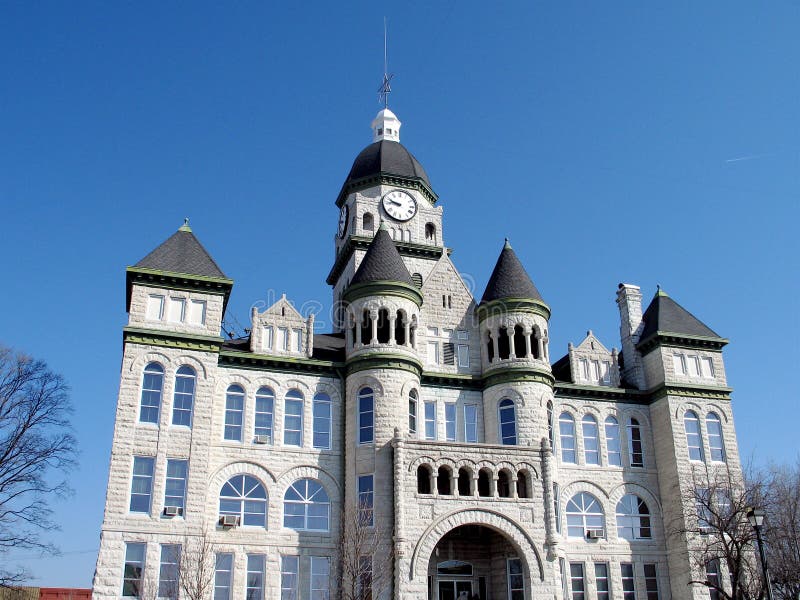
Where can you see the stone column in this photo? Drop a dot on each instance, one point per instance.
(493, 487)
(373, 315)
(358, 341)
(392, 322)
(527, 333)
(407, 328)
(512, 350)
(474, 488)
(514, 487)
(495, 334)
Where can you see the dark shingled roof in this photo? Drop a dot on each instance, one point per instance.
(664, 314)
(182, 253)
(387, 157)
(382, 262)
(509, 279)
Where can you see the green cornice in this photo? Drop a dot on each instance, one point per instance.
(414, 183)
(596, 392)
(171, 339)
(503, 306)
(679, 340)
(176, 281)
(363, 242)
(383, 288)
(383, 360)
(284, 364)
(452, 380)
(707, 392)
(518, 375)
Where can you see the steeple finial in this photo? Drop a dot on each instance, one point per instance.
(185, 226)
(386, 88)
(507, 245)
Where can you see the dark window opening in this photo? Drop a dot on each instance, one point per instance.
(522, 485)
(443, 482)
(464, 482)
(483, 483)
(423, 479)
(366, 328)
(519, 342)
(490, 348)
(503, 346)
(535, 345)
(400, 329)
(384, 329)
(503, 484)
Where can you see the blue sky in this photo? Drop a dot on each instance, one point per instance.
(609, 141)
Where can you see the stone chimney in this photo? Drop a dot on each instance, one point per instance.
(629, 300)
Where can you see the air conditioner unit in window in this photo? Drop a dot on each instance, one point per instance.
(595, 534)
(172, 511)
(229, 520)
(263, 439)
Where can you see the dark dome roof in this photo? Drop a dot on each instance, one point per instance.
(387, 157)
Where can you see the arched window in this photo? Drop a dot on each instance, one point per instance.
(306, 506)
(443, 481)
(694, 440)
(584, 512)
(423, 479)
(503, 344)
(519, 342)
(550, 432)
(715, 441)
(152, 385)
(243, 496)
(504, 484)
(384, 329)
(234, 413)
(566, 429)
(633, 518)
(484, 488)
(489, 347)
(400, 328)
(366, 416)
(368, 222)
(430, 232)
(183, 398)
(293, 418)
(412, 411)
(464, 482)
(613, 450)
(534, 337)
(591, 441)
(508, 423)
(322, 421)
(635, 451)
(265, 410)
(523, 484)
(366, 327)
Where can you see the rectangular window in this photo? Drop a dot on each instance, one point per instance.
(707, 367)
(693, 363)
(596, 370)
(450, 421)
(297, 334)
(516, 580)
(223, 576)
(448, 353)
(576, 583)
(430, 420)
(234, 414)
(412, 415)
(635, 450)
(601, 581)
(256, 565)
(366, 491)
(168, 571)
(142, 484)
(591, 443)
(265, 405)
(175, 488)
(322, 422)
(605, 373)
(177, 310)
(433, 346)
(628, 582)
(471, 423)
(463, 348)
(283, 338)
(320, 577)
(584, 369)
(651, 581)
(133, 569)
(366, 416)
(679, 364)
(290, 573)
(155, 307)
(293, 423)
(612, 442)
(197, 312)
(269, 334)
(557, 505)
(365, 577)
(712, 577)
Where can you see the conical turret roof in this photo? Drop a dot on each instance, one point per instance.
(182, 252)
(382, 262)
(667, 316)
(509, 279)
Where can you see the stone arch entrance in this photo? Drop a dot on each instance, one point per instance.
(475, 552)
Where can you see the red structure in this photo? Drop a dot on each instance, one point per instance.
(65, 594)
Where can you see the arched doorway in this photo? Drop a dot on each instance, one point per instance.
(473, 561)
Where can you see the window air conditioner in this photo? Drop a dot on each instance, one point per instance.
(172, 511)
(262, 439)
(229, 520)
(595, 534)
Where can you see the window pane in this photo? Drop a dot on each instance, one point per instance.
(566, 425)
(223, 575)
(628, 582)
(612, 442)
(175, 488)
(591, 443)
(508, 423)
(293, 419)
(152, 385)
(651, 581)
(255, 576)
(265, 401)
(365, 499)
(430, 420)
(470, 423)
(450, 421)
(576, 581)
(601, 581)
(366, 416)
(635, 444)
(183, 398)
(133, 569)
(694, 440)
(320, 578)
(168, 572)
(322, 421)
(141, 484)
(234, 413)
(714, 428)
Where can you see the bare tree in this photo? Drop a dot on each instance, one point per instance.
(37, 450)
(782, 533)
(361, 545)
(196, 566)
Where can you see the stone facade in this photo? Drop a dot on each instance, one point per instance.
(494, 470)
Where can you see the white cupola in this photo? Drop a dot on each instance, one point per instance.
(386, 126)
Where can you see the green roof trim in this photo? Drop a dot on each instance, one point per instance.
(283, 364)
(397, 289)
(171, 339)
(175, 281)
(383, 360)
(679, 340)
(503, 306)
(414, 183)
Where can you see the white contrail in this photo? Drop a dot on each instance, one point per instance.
(749, 157)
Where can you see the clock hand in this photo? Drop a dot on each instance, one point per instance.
(395, 203)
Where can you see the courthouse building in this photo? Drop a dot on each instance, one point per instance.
(488, 463)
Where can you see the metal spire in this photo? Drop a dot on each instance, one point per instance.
(386, 88)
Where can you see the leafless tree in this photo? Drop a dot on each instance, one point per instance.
(37, 450)
(361, 546)
(781, 485)
(196, 566)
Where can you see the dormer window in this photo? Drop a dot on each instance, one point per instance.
(380, 131)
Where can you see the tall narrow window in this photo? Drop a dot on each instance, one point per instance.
(550, 432)
(293, 419)
(591, 443)
(320, 577)
(283, 338)
(508, 422)
(306, 506)
(365, 578)
(715, 443)
(168, 571)
(679, 364)
(584, 512)
(366, 491)
(712, 577)
(450, 421)
(175, 488)
(707, 367)
(613, 451)
(557, 505)
(234, 413)
(633, 518)
(463, 348)
(694, 441)
(269, 335)
(433, 346)
(430, 420)
(635, 451)
(142, 484)
(290, 574)
(152, 385)
(628, 581)
(412, 411)
(366, 416)
(256, 567)
(223, 576)
(245, 497)
(297, 340)
(322, 421)
(566, 427)
(265, 410)
(367, 222)
(601, 581)
(133, 569)
(471, 423)
(577, 585)
(197, 312)
(183, 398)
(516, 579)
(651, 581)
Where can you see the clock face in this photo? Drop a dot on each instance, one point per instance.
(343, 221)
(399, 205)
